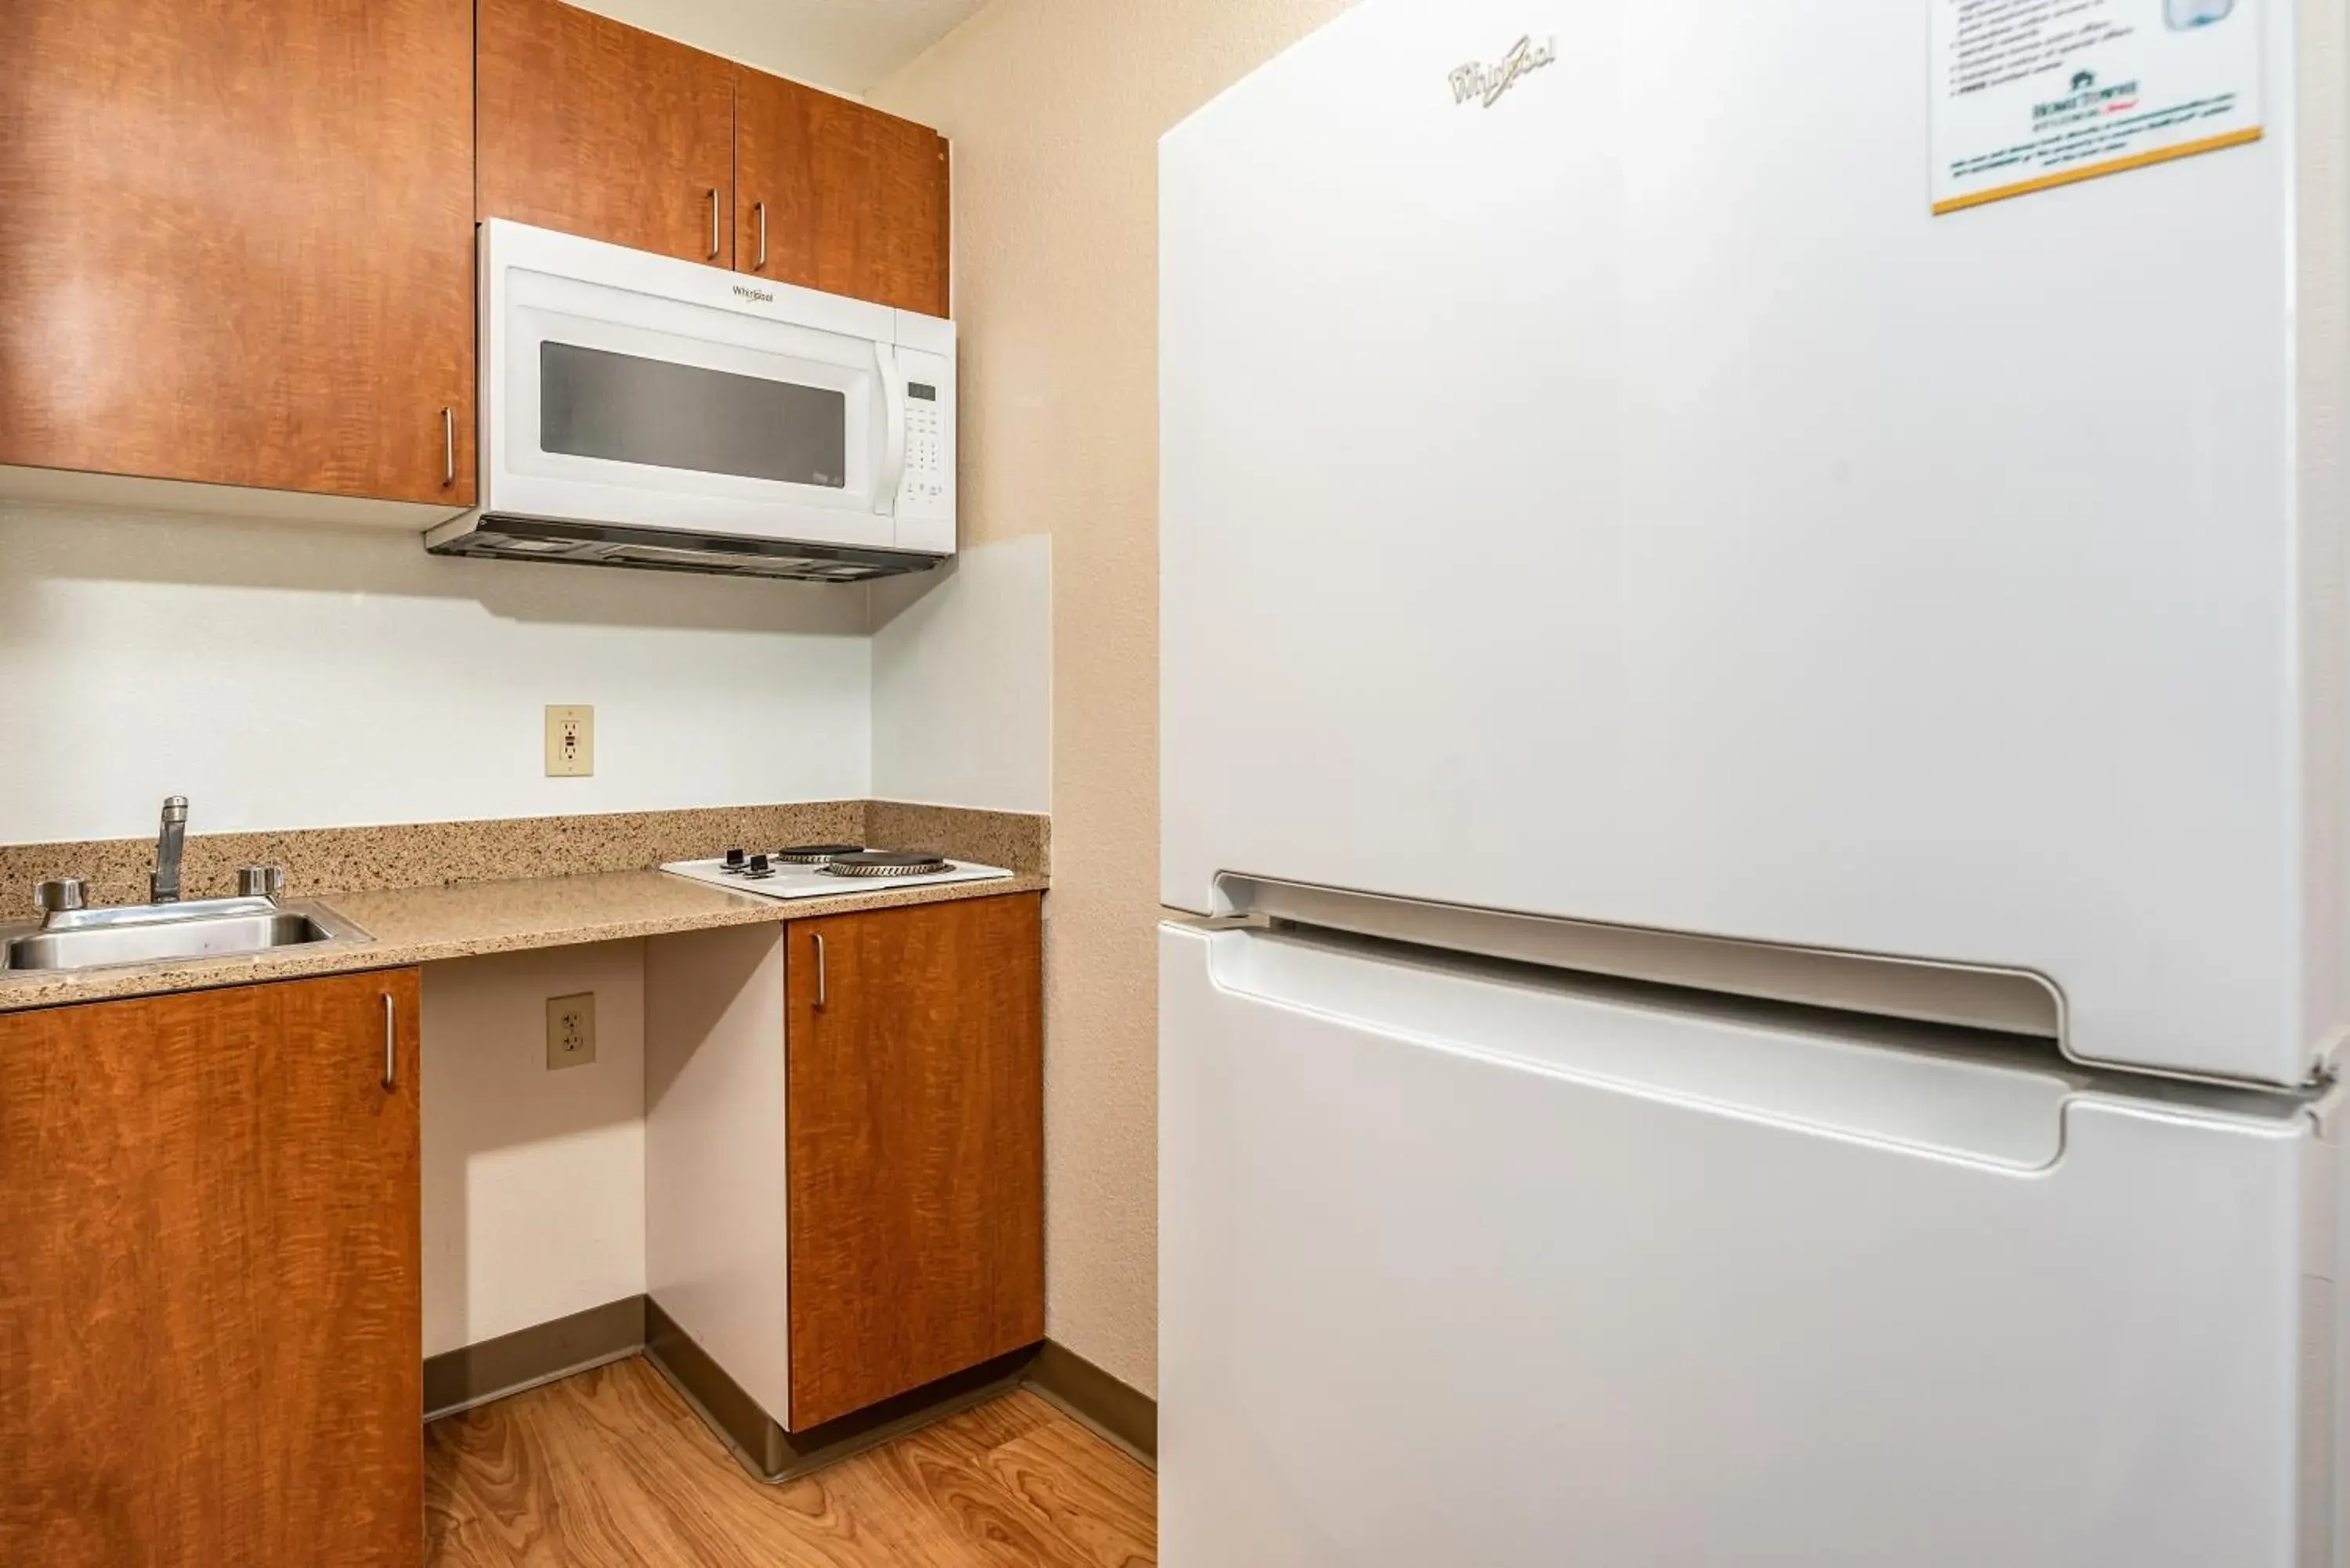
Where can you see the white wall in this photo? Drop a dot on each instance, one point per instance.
(289, 676)
(841, 46)
(962, 680)
(534, 1181)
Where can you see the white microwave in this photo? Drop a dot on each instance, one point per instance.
(637, 411)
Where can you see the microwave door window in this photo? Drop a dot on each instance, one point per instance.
(622, 408)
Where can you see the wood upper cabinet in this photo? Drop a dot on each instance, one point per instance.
(847, 198)
(599, 129)
(210, 1344)
(602, 129)
(914, 1116)
(236, 243)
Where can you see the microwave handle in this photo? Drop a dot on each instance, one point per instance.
(893, 426)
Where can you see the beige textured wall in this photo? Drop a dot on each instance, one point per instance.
(1056, 108)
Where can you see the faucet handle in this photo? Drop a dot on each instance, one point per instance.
(261, 881)
(59, 897)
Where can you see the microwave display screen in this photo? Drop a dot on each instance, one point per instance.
(624, 409)
(926, 393)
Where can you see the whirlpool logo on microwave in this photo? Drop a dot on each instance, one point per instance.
(1480, 83)
(755, 296)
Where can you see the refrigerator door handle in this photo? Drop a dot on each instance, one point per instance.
(1883, 1082)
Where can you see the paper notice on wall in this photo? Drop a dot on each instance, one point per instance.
(2030, 94)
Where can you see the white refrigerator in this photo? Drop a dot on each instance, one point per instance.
(1753, 788)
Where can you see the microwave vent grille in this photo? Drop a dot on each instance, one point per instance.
(676, 550)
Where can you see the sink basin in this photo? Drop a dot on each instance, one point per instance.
(160, 933)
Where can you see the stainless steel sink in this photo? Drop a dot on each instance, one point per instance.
(160, 933)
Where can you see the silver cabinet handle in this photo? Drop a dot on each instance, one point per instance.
(390, 1036)
(820, 998)
(448, 446)
(713, 222)
(760, 209)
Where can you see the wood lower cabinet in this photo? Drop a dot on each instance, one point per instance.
(601, 129)
(236, 243)
(832, 194)
(914, 1118)
(209, 1305)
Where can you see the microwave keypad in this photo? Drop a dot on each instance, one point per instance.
(925, 449)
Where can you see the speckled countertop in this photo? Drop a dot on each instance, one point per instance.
(430, 891)
(427, 925)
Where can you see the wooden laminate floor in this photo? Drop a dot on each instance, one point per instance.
(611, 1468)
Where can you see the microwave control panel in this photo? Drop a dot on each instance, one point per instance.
(926, 492)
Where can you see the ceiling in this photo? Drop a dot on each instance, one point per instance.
(846, 46)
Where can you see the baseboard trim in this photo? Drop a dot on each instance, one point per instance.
(460, 1379)
(1125, 1415)
(514, 1363)
(774, 1455)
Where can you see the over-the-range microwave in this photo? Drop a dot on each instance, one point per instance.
(639, 411)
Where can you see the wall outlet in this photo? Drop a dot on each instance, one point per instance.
(570, 743)
(571, 1030)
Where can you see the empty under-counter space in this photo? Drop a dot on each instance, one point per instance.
(533, 1179)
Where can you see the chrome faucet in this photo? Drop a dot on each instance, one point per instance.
(163, 888)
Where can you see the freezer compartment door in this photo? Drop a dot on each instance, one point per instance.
(1624, 500)
(1524, 1274)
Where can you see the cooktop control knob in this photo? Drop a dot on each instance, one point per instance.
(759, 863)
(734, 857)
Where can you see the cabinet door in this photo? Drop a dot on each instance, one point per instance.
(236, 241)
(210, 1340)
(854, 200)
(602, 129)
(914, 1115)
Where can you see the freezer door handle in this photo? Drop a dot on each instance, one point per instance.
(1882, 1080)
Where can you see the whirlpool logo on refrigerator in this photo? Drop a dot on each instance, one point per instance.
(1482, 84)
